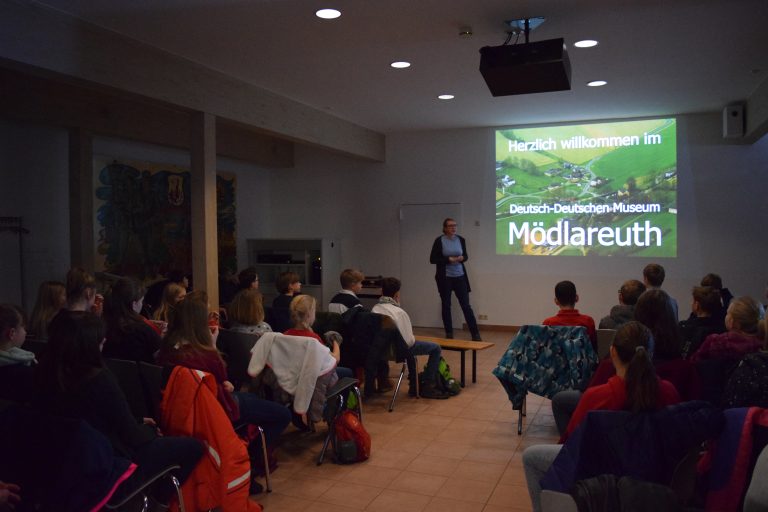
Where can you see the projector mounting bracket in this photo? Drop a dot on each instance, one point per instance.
(524, 25)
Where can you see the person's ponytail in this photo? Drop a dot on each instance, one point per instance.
(642, 384)
(632, 343)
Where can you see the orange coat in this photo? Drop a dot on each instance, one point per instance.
(222, 479)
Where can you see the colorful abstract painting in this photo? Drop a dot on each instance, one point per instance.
(143, 218)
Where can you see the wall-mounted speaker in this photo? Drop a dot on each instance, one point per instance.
(733, 121)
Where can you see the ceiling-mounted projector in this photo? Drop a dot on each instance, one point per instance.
(526, 68)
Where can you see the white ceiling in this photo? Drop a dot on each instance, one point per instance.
(659, 57)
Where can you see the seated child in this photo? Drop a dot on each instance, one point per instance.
(624, 311)
(288, 286)
(351, 284)
(303, 309)
(246, 313)
(741, 338)
(51, 298)
(16, 370)
(389, 305)
(13, 332)
(703, 320)
(566, 298)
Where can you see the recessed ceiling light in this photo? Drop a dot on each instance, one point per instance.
(400, 64)
(597, 83)
(586, 43)
(445, 97)
(328, 14)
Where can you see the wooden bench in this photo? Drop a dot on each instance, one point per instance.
(460, 346)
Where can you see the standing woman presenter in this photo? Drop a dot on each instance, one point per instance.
(449, 252)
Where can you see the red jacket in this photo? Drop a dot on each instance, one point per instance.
(222, 479)
(572, 317)
(612, 396)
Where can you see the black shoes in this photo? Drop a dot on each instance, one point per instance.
(255, 488)
(449, 335)
(476, 337)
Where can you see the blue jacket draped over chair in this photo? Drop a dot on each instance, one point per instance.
(544, 360)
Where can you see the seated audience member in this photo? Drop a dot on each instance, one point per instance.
(740, 339)
(172, 295)
(51, 298)
(634, 388)
(73, 382)
(351, 284)
(81, 292)
(248, 278)
(703, 320)
(624, 311)
(389, 305)
(191, 342)
(714, 281)
(288, 285)
(154, 296)
(246, 313)
(303, 310)
(653, 277)
(654, 310)
(13, 332)
(16, 369)
(130, 336)
(566, 299)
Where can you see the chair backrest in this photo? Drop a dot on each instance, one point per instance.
(361, 329)
(16, 383)
(36, 346)
(683, 374)
(713, 375)
(153, 379)
(127, 375)
(326, 321)
(236, 348)
(297, 363)
(278, 318)
(545, 360)
(604, 340)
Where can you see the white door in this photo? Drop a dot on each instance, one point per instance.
(420, 224)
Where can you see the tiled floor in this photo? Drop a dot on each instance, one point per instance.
(457, 455)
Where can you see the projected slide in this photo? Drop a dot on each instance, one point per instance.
(606, 189)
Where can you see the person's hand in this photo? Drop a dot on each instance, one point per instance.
(151, 422)
(336, 352)
(459, 259)
(228, 387)
(214, 333)
(10, 494)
